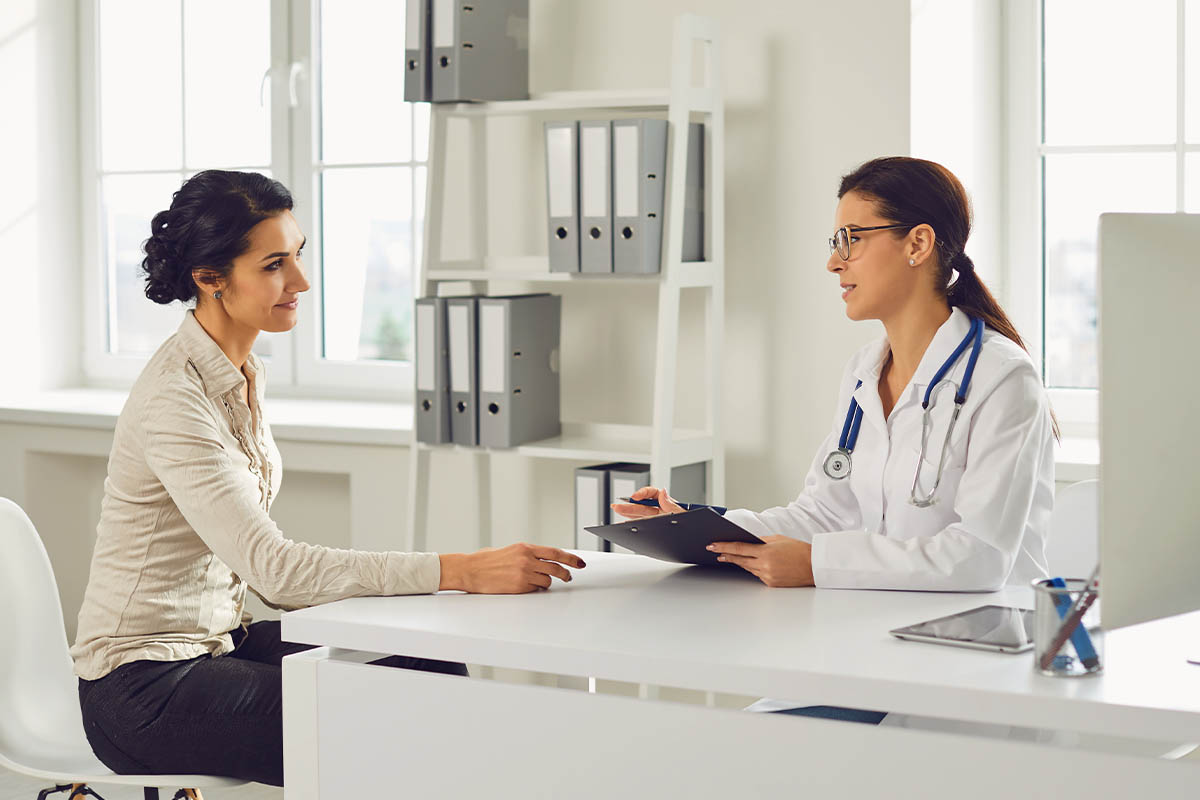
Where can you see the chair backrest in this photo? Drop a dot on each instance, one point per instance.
(38, 688)
(1073, 546)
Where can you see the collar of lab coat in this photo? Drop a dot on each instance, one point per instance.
(870, 365)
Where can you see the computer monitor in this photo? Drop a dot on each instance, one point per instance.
(1149, 325)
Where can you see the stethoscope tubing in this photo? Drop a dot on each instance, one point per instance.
(838, 463)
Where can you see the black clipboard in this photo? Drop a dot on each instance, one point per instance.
(681, 538)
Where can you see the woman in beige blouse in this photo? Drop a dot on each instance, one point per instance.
(173, 677)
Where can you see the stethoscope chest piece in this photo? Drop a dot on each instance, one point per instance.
(837, 464)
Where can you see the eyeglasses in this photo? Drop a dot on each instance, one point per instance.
(841, 237)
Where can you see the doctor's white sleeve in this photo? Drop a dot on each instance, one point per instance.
(1006, 487)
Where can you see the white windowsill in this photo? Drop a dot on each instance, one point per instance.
(292, 419)
(1077, 459)
(355, 422)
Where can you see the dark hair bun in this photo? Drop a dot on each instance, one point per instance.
(208, 225)
(166, 280)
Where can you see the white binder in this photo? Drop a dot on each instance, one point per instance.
(639, 189)
(562, 195)
(433, 392)
(518, 369)
(417, 77)
(595, 206)
(464, 370)
(480, 50)
(591, 506)
(639, 181)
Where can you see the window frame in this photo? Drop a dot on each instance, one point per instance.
(296, 366)
(1077, 409)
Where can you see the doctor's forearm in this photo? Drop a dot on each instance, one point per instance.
(950, 561)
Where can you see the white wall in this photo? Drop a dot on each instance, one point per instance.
(812, 89)
(957, 113)
(803, 106)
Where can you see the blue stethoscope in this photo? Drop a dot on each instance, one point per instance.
(838, 463)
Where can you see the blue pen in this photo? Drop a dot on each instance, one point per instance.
(653, 503)
(1079, 636)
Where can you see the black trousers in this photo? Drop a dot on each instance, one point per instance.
(204, 716)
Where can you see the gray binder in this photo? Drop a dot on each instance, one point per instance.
(639, 190)
(693, 198)
(562, 195)
(595, 204)
(480, 50)
(433, 388)
(591, 505)
(462, 336)
(688, 484)
(518, 369)
(417, 78)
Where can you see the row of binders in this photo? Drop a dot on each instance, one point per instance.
(458, 51)
(598, 486)
(605, 190)
(487, 369)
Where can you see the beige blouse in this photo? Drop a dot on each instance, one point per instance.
(184, 526)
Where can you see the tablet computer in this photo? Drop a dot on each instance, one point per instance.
(1000, 628)
(681, 538)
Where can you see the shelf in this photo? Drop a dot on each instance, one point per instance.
(661, 444)
(582, 441)
(632, 99)
(699, 100)
(536, 270)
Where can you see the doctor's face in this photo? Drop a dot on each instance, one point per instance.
(876, 281)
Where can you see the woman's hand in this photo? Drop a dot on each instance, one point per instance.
(779, 561)
(515, 569)
(632, 511)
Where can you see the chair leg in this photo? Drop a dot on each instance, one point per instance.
(44, 793)
(188, 794)
(83, 790)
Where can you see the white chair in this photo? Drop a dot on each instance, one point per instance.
(41, 727)
(1072, 546)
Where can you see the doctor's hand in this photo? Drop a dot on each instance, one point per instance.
(779, 561)
(665, 504)
(515, 569)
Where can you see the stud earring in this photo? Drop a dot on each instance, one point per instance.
(912, 262)
(217, 295)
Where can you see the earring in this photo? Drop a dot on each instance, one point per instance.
(217, 295)
(912, 262)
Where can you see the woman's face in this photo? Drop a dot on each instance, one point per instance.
(263, 288)
(877, 280)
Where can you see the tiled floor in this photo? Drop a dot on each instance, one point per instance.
(19, 787)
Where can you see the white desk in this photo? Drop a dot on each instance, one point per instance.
(356, 730)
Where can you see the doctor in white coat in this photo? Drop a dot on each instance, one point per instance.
(875, 515)
(938, 470)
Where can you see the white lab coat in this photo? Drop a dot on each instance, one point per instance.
(989, 522)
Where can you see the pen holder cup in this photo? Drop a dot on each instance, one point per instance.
(1066, 644)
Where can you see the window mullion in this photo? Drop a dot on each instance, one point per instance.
(302, 155)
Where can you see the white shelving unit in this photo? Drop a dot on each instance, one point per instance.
(660, 444)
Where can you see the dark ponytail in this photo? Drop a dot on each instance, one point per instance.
(912, 191)
(208, 225)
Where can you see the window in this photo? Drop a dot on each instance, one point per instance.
(301, 90)
(1104, 115)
